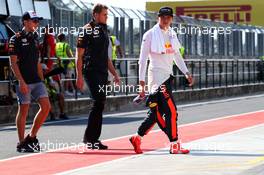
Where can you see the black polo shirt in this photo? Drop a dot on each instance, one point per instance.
(94, 39)
(26, 47)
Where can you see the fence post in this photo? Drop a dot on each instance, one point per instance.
(243, 70)
(206, 73)
(220, 73)
(249, 77)
(192, 62)
(213, 74)
(126, 76)
(226, 76)
(233, 72)
(200, 74)
(237, 72)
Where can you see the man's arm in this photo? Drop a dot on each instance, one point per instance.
(69, 55)
(17, 73)
(82, 44)
(79, 63)
(120, 51)
(69, 52)
(15, 69)
(183, 68)
(112, 70)
(40, 71)
(119, 48)
(179, 61)
(144, 53)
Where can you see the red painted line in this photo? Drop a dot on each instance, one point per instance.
(65, 160)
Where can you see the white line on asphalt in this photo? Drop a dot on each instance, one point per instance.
(144, 111)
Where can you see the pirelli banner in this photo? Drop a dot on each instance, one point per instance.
(239, 11)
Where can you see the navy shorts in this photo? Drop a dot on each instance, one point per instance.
(36, 91)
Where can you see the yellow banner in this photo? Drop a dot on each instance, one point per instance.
(237, 11)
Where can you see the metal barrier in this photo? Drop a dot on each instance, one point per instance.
(208, 73)
(5, 77)
(212, 73)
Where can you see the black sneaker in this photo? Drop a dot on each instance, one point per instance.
(21, 148)
(96, 145)
(52, 116)
(35, 144)
(29, 144)
(63, 116)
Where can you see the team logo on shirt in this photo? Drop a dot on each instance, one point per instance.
(24, 40)
(25, 44)
(152, 105)
(169, 49)
(168, 45)
(11, 47)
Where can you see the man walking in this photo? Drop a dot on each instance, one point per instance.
(92, 47)
(161, 45)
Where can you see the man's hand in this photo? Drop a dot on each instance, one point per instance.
(112, 70)
(190, 79)
(59, 60)
(79, 83)
(79, 64)
(117, 80)
(142, 93)
(142, 96)
(142, 86)
(23, 88)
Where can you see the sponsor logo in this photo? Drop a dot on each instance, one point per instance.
(11, 46)
(152, 105)
(24, 40)
(227, 13)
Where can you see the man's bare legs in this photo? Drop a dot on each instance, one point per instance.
(41, 116)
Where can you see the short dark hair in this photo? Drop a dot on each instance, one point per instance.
(98, 8)
(61, 37)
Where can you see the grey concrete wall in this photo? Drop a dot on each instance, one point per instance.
(124, 103)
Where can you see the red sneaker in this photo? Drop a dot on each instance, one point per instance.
(175, 148)
(136, 142)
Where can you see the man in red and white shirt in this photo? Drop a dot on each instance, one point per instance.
(161, 45)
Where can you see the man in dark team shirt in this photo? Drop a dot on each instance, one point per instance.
(25, 64)
(92, 47)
